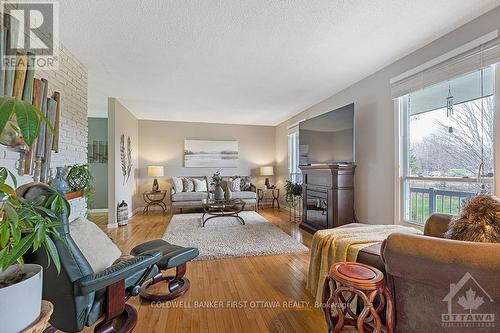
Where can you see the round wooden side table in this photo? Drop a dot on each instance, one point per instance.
(344, 282)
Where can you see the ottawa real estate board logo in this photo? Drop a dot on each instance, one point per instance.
(469, 305)
(30, 35)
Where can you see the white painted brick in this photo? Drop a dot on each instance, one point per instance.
(71, 81)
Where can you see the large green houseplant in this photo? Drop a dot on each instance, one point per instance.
(28, 224)
(25, 225)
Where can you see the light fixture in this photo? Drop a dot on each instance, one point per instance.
(155, 171)
(267, 171)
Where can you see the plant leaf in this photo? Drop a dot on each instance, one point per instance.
(7, 189)
(46, 211)
(11, 213)
(28, 121)
(7, 106)
(3, 174)
(4, 234)
(15, 232)
(42, 116)
(19, 250)
(52, 250)
(14, 179)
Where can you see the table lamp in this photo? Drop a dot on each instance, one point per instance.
(267, 171)
(155, 171)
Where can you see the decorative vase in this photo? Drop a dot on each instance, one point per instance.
(122, 213)
(218, 193)
(59, 183)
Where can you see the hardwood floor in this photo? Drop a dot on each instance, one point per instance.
(249, 294)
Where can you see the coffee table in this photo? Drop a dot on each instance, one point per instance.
(222, 208)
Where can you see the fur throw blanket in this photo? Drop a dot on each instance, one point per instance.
(478, 221)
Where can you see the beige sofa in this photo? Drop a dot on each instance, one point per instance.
(185, 200)
(249, 196)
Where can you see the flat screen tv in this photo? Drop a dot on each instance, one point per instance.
(328, 138)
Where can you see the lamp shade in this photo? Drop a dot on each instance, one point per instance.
(155, 171)
(266, 171)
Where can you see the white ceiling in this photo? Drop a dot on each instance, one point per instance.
(244, 62)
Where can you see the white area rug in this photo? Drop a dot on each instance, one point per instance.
(225, 237)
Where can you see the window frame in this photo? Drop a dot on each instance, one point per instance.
(401, 175)
(293, 156)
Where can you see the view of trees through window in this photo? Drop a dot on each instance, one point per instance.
(442, 146)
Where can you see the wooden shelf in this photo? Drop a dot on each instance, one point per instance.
(74, 195)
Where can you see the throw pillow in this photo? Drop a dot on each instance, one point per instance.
(478, 221)
(234, 185)
(188, 185)
(178, 186)
(246, 183)
(95, 245)
(200, 185)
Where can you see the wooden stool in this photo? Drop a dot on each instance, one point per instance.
(344, 282)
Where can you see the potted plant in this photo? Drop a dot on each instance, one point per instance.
(216, 182)
(293, 193)
(293, 197)
(80, 179)
(25, 225)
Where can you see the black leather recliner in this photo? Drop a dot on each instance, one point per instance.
(81, 296)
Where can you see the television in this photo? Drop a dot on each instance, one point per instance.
(328, 138)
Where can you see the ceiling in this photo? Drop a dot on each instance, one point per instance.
(244, 62)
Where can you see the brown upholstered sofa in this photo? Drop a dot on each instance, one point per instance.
(428, 275)
(431, 279)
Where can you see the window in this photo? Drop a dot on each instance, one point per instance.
(293, 157)
(447, 144)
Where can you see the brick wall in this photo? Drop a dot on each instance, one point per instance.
(71, 81)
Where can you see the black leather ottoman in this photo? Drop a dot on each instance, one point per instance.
(173, 256)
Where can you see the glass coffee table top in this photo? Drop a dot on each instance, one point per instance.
(222, 208)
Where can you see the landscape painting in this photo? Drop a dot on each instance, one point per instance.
(210, 154)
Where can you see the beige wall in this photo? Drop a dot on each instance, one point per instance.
(162, 143)
(374, 123)
(121, 121)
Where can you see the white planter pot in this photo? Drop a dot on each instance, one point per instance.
(20, 304)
